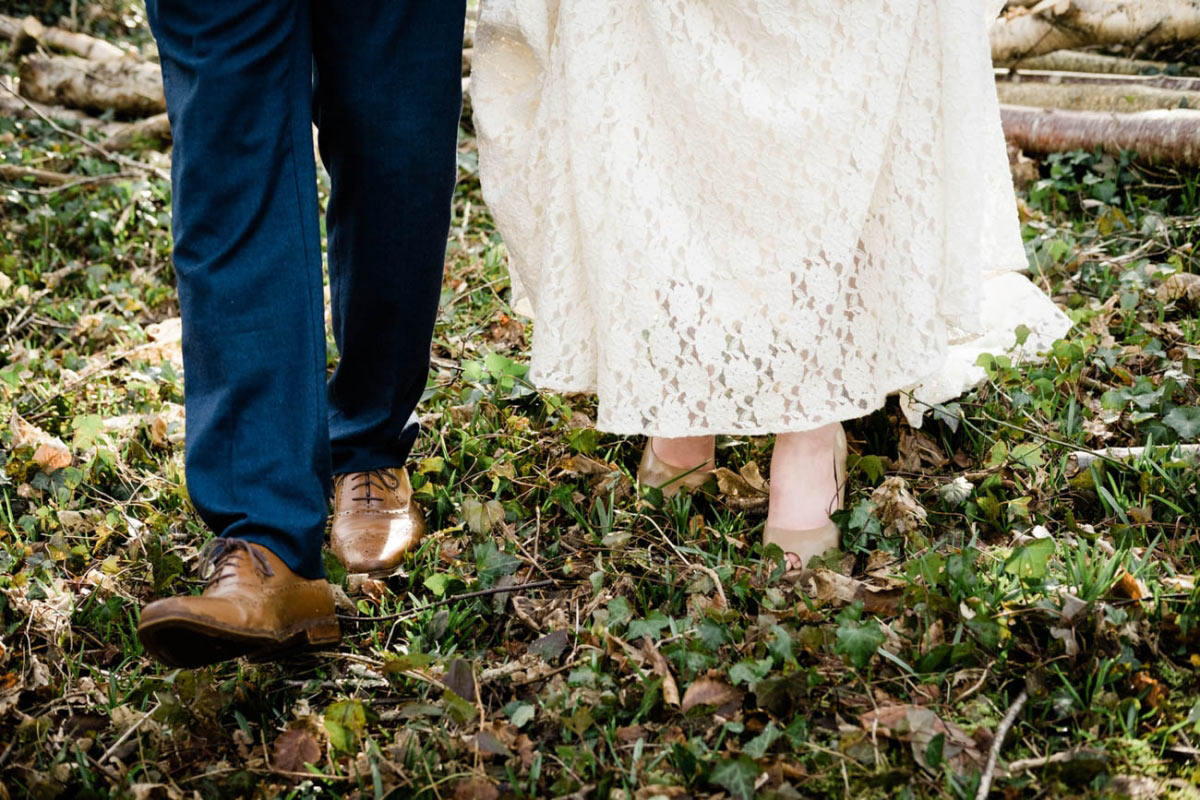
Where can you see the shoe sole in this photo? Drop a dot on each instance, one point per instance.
(189, 643)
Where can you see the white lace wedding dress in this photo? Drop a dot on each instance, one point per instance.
(751, 216)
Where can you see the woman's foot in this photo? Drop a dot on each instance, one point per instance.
(672, 464)
(808, 474)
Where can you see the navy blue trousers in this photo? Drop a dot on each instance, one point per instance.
(245, 80)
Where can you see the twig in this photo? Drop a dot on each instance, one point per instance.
(116, 158)
(453, 598)
(985, 783)
(129, 732)
(1023, 764)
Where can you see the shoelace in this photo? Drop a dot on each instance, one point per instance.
(222, 556)
(382, 479)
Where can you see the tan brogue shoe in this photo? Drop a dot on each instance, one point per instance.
(375, 521)
(253, 606)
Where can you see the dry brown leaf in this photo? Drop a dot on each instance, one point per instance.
(917, 448)
(662, 669)
(631, 733)
(745, 490)
(294, 749)
(1181, 285)
(708, 691)
(832, 588)
(475, 789)
(1155, 693)
(1128, 587)
(585, 465)
(52, 455)
(896, 508)
(918, 725)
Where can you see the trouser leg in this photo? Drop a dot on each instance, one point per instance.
(387, 103)
(238, 78)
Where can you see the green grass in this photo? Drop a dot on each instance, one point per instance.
(1017, 577)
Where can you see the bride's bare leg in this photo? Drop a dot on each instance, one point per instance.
(804, 489)
(686, 452)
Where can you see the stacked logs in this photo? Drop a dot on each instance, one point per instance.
(71, 77)
(1054, 97)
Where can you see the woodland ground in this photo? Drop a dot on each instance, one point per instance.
(659, 652)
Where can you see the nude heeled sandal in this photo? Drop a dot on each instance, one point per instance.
(668, 479)
(805, 543)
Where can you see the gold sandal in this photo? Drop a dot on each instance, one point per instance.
(805, 543)
(668, 479)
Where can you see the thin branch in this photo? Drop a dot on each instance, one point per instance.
(447, 600)
(985, 783)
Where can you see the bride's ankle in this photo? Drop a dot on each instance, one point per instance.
(687, 452)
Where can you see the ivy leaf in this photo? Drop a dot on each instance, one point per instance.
(1184, 420)
(759, 745)
(618, 611)
(345, 721)
(1028, 562)
(491, 563)
(88, 428)
(651, 626)
(750, 671)
(481, 517)
(736, 776)
(857, 639)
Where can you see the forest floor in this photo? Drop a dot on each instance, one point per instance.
(643, 648)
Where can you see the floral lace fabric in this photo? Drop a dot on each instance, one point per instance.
(752, 217)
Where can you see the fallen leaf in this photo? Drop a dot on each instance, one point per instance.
(832, 588)
(919, 726)
(1127, 586)
(585, 465)
(294, 749)
(896, 508)
(745, 490)
(475, 789)
(659, 664)
(917, 448)
(1155, 693)
(708, 691)
(629, 734)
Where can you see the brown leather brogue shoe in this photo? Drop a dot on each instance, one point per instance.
(253, 606)
(375, 520)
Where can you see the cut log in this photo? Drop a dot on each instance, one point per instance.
(1171, 137)
(10, 27)
(152, 131)
(13, 172)
(33, 33)
(1094, 96)
(1075, 23)
(1078, 61)
(127, 86)
(12, 106)
(1178, 82)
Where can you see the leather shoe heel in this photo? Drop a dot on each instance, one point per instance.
(253, 606)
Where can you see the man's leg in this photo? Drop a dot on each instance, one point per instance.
(238, 79)
(387, 104)
(387, 101)
(247, 256)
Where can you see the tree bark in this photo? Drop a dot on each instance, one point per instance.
(1167, 136)
(128, 86)
(1078, 61)
(152, 131)
(31, 32)
(1087, 22)
(1088, 96)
